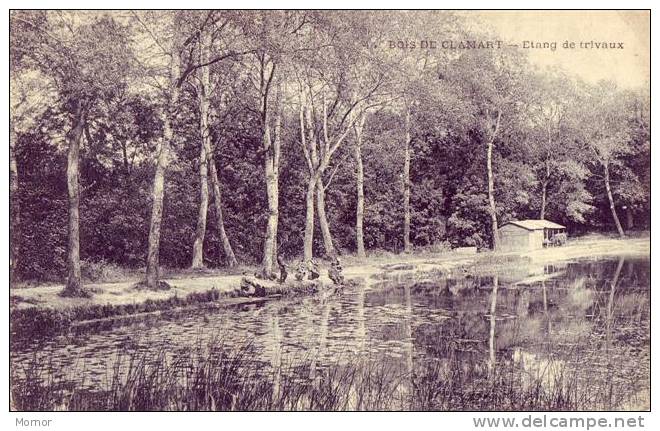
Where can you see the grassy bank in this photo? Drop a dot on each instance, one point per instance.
(217, 379)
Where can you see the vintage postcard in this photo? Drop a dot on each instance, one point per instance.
(330, 210)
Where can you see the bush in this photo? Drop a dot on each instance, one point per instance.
(32, 321)
(101, 271)
(437, 247)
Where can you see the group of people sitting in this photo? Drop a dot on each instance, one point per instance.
(556, 240)
(310, 270)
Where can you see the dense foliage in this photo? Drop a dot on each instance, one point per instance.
(556, 134)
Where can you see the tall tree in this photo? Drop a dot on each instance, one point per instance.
(632, 189)
(358, 128)
(270, 117)
(493, 80)
(204, 155)
(493, 128)
(607, 124)
(407, 245)
(86, 57)
(317, 159)
(274, 38)
(319, 141)
(169, 41)
(214, 26)
(230, 258)
(272, 149)
(173, 37)
(414, 76)
(74, 136)
(335, 84)
(555, 154)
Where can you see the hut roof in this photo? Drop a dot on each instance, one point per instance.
(535, 224)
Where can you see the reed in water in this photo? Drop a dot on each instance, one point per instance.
(219, 378)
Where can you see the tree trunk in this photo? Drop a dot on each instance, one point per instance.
(230, 258)
(272, 173)
(407, 246)
(359, 216)
(273, 214)
(544, 189)
(323, 219)
(200, 231)
(307, 137)
(73, 282)
(491, 196)
(309, 218)
(14, 208)
(630, 222)
(204, 86)
(157, 206)
(491, 183)
(610, 198)
(152, 276)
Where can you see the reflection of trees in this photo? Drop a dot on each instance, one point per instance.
(361, 322)
(360, 345)
(408, 340)
(609, 321)
(276, 354)
(609, 318)
(548, 319)
(522, 302)
(491, 338)
(323, 338)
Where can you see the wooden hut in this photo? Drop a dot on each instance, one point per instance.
(522, 235)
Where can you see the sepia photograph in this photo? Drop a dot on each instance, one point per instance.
(329, 210)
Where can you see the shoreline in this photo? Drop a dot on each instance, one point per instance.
(41, 309)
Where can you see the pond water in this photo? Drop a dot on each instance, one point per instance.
(591, 317)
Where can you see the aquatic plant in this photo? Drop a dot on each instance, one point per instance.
(215, 377)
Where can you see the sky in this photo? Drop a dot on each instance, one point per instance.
(628, 67)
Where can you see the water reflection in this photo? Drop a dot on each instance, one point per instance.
(276, 350)
(610, 304)
(321, 346)
(491, 339)
(548, 320)
(587, 319)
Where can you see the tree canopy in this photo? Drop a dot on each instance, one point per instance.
(286, 126)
